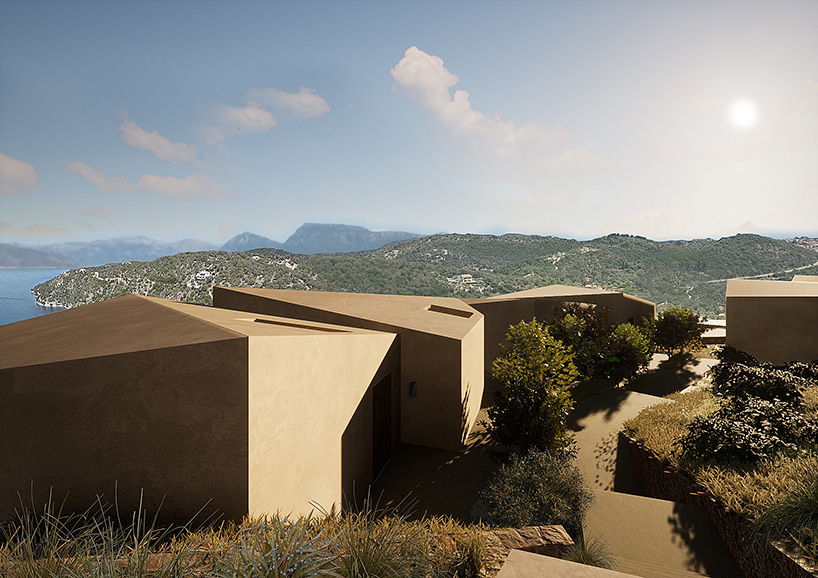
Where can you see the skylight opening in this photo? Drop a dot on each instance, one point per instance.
(298, 326)
(449, 311)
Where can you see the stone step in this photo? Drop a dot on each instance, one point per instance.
(678, 537)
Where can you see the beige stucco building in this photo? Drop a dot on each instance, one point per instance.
(775, 321)
(256, 413)
(270, 400)
(441, 350)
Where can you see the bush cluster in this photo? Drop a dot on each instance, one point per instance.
(675, 330)
(764, 382)
(531, 406)
(762, 414)
(601, 350)
(749, 429)
(535, 489)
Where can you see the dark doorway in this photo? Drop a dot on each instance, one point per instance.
(381, 425)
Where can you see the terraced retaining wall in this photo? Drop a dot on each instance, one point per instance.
(758, 559)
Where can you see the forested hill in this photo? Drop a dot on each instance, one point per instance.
(691, 273)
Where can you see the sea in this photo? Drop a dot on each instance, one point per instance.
(16, 300)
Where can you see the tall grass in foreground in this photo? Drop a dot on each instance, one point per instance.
(363, 544)
(94, 544)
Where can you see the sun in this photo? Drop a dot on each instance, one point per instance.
(743, 114)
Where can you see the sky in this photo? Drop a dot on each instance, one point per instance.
(676, 119)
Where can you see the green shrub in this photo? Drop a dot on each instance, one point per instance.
(730, 354)
(628, 352)
(765, 382)
(675, 330)
(601, 350)
(535, 489)
(748, 429)
(808, 371)
(531, 407)
(586, 330)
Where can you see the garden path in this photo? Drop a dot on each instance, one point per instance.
(647, 537)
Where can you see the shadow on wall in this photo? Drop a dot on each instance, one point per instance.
(373, 433)
(691, 526)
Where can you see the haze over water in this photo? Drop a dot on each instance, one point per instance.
(16, 300)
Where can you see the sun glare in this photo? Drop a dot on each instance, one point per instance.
(743, 114)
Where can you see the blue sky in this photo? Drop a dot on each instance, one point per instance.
(182, 118)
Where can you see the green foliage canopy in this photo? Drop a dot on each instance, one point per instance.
(535, 489)
(531, 407)
(676, 329)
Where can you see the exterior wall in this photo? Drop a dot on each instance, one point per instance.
(305, 392)
(776, 329)
(432, 418)
(472, 379)
(171, 421)
(499, 314)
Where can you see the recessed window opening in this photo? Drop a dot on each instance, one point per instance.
(298, 326)
(449, 311)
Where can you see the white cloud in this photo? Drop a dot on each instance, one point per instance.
(103, 182)
(38, 230)
(538, 157)
(16, 176)
(425, 79)
(193, 187)
(304, 104)
(136, 136)
(232, 121)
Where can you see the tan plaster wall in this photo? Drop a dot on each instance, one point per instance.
(171, 421)
(472, 379)
(499, 314)
(303, 393)
(435, 417)
(775, 329)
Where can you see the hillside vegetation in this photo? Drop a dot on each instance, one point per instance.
(688, 273)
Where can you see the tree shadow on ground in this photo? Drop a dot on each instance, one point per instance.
(608, 403)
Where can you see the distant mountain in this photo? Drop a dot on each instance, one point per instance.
(312, 238)
(247, 241)
(690, 273)
(123, 249)
(16, 257)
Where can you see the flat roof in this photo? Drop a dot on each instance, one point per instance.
(759, 288)
(555, 291)
(806, 278)
(445, 316)
(135, 323)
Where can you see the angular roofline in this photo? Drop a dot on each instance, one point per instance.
(444, 316)
(765, 288)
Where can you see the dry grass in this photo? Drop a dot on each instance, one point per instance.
(782, 495)
(660, 425)
(356, 545)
